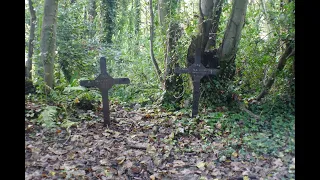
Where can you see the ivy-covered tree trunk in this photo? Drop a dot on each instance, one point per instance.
(31, 39)
(222, 57)
(137, 16)
(92, 10)
(92, 13)
(172, 31)
(48, 39)
(289, 50)
(163, 10)
(282, 62)
(108, 14)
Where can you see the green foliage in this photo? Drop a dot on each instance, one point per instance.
(262, 42)
(48, 116)
(272, 133)
(76, 52)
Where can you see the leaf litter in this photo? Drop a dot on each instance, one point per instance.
(140, 144)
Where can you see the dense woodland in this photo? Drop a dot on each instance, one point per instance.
(245, 127)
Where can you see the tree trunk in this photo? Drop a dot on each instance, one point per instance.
(92, 10)
(172, 81)
(210, 12)
(229, 46)
(232, 35)
(158, 71)
(108, 14)
(92, 13)
(289, 50)
(224, 56)
(31, 39)
(215, 25)
(137, 15)
(48, 39)
(163, 11)
(282, 62)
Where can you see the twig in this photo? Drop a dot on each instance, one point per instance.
(242, 107)
(68, 138)
(137, 147)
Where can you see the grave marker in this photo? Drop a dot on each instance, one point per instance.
(104, 82)
(197, 71)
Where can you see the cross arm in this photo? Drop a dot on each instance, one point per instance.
(88, 83)
(180, 70)
(212, 71)
(121, 81)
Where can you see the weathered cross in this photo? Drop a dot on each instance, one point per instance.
(197, 71)
(104, 82)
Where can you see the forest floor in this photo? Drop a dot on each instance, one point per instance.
(140, 144)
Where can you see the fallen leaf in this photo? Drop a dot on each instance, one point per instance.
(222, 158)
(201, 165)
(121, 159)
(216, 172)
(106, 134)
(57, 151)
(236, 166)
(245, 173)
(107, 173)
(95, 168)
(235, 154)
(46, 157)
(135, 169)
(52, 173)
(178, 163)
(79, 173)
(67, 167)
(152, 177)
(103, 161)
(277, 163)
(151, 149)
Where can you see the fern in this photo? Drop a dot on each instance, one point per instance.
(67, 124)
(48, 116)
(90, 95)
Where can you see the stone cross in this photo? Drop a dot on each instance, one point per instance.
(197, 71)
(104, 82)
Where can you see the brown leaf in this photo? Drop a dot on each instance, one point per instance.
(135, 169)
(103, 161)
(46, 157)
(186, 171)
(57, 151)
(277, 163)
(120, 159)
(178, 163)
(236, 166)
